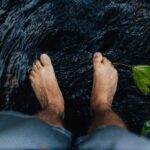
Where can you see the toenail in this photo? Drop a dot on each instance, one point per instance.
(43, 56)
(97, 54)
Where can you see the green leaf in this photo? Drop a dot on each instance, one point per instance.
(141, 76)
(146, 128)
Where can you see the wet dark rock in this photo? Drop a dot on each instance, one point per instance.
(70, 31)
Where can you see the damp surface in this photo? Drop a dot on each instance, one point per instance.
(70, 31)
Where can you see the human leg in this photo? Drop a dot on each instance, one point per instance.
(107, 131)
(104, 88)
(46, 88)
(45, 129)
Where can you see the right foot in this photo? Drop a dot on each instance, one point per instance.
(45, 86)
(104, 83)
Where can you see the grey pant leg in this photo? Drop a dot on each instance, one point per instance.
(18, 131)
(112, 138)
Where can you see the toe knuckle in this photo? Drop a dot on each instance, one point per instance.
(104, 58)
(96, 60)
(30, 77)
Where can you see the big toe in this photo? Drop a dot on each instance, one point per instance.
(45, 60)
(97, 59)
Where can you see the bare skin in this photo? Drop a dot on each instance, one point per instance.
(104, 88)
(46, 88)
(47, 91)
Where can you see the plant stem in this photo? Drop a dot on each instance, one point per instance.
(124, 65)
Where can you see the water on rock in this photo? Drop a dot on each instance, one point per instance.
(70, 31)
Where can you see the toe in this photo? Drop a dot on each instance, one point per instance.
(34, 68)
(105, 61)
(31, 77)
(45, 60)
(97, 59)
(38, 64)
(33, 73)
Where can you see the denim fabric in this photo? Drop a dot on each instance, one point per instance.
(112, 138)
(22, 132)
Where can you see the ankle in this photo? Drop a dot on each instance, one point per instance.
(50, 116)
(55, 112)
(98, 108)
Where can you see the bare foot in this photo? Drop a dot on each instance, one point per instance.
(104, 83)
(45, 86)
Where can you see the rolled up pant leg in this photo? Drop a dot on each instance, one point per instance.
(112, 138)
(18, 131)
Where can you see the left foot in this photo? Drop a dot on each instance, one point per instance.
(45, 85)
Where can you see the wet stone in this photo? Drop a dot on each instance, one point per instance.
(70, 31)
